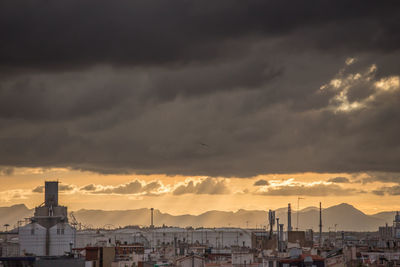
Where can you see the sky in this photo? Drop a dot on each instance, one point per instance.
(188, 106)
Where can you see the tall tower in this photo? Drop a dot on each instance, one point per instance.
(320, 224)
(51, 193)
(152, 217)
(271, 220)
(289, 218)
(277, 234)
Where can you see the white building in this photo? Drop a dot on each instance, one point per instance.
(49, 233)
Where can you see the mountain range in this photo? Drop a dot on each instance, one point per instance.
(339, 217)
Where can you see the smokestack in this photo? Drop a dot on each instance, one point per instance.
(152, 214)
(320, 224)
(277, 233)
(289, 218)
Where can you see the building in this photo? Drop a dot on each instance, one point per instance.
(100, 256)
(48, 233)
(190, 261)
(302, 261)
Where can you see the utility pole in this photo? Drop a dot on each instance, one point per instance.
(298, 210)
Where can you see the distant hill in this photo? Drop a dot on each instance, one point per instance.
(11, 215)
(344, 216)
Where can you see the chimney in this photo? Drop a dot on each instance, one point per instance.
(152, 214)
(320, 224)
(277, 233)
(289, 218)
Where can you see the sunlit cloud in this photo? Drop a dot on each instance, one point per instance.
(210, 186)
(343, 84)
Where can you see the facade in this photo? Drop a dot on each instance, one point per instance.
(100, 256)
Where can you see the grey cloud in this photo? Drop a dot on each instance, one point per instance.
(65, 187)
(339, 180)
(208, 186)
(38, 189)
(152, 186)
(134, 88)
(6, 171)
(314, 190)
(378, 192)
(61, 188)
(89, 187)
(261, 182)
(159, 32)
(133, 187)
(383, 177)
(386, 190)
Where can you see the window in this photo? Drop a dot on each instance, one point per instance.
(62, 231)
(32, 231)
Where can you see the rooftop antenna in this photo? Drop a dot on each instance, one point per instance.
(298, 211)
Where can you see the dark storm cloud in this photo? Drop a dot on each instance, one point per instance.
(136, 86)
(52, 35)
(339, 180)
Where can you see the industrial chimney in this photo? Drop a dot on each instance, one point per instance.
(320, 224)
(152, 214)
(289, 219)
